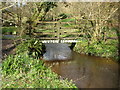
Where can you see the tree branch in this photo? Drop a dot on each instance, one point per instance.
(7, 7)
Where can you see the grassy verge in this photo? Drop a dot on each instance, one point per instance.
(24, 71)
(108, 48)
(101, 49)
(21, 71)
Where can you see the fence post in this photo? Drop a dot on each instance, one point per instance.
(55, 24)
(59, 32)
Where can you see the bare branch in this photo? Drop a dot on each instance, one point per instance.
(111, 13)
(7, 7)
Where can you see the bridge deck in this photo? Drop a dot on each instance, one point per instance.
(59, 41)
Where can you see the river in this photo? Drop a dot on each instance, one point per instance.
(85, 71)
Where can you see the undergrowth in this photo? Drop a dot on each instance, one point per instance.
(106, 49)
(23, 71)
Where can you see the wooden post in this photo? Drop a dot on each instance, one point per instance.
(55, 24)
(59, 32)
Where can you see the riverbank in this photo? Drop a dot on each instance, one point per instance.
(23, 71)
(107, 49)
(82, 69)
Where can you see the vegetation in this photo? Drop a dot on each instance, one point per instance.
(98, 33)
(33, 47)
(103, 49)
(9, 30)
(24, 71)
(95, 23)
(25, 16)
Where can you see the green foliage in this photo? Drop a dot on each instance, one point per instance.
(32, 47)
(22, 71)
(81, 46)
(9, 30)
(68, 20)
(44, 7)
(103, 49)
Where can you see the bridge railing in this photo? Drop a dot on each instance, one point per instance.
(56, 31)
(70, 30)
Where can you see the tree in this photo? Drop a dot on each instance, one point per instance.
(27, 17)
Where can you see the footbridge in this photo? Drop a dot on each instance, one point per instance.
(57, 32)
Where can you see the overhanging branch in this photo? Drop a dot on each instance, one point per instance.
(7, 7)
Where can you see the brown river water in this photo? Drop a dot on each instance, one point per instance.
(87, 71)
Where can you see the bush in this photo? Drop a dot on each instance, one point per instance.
(32, 47)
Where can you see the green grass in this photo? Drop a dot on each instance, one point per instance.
(104, 49)
(7, 30)
(100, 47)
(22, 71)
(68, 20)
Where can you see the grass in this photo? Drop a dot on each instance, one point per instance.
(68, 20)
(22, 71)
(106, 48)
(8, 30)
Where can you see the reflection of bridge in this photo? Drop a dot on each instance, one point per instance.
(57, 32)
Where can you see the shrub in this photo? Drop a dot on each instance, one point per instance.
(32, 47)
